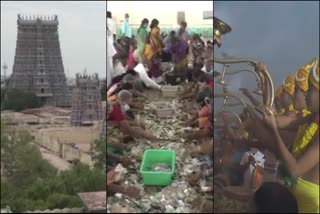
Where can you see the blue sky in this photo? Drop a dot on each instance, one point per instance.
(282, 34)
(82, 32)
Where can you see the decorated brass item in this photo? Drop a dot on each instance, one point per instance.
(227, 62)
(220, 28)
(244, 103)
(257, 91)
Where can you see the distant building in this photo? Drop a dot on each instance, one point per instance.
(38, 66)
(86, 100)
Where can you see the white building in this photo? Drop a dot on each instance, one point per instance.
(198, 14)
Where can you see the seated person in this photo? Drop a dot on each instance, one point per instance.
(148, 82)
(203, 82)
(117, 116)
(119, 68)
(201, 118)
(130, 76)
(188, 93)
(131, 191)
(206, 132)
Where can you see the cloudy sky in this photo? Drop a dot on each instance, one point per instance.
(283, 35)
(82, 32)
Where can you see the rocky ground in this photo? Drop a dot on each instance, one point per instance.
(180, 195)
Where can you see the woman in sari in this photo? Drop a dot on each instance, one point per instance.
(153, 50)
(179, 51)
(142, 39)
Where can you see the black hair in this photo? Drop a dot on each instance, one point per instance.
(154, 23)
(132, 72)
(198, 65)
(109, 14)
(204, 78)
(126, 86)
(196, 73)
(143, 22)
(272, 197)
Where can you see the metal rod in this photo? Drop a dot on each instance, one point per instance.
(269, 101)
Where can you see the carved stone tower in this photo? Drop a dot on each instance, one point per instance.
(38, 66)
(86, 100)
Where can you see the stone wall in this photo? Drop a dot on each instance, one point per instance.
(66, 151)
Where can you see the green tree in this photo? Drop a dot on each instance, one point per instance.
(18, 100)
(31, 183)
(100, 153)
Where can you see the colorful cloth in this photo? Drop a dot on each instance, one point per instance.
(141, 39)
(116, 115)
(154, 45)
(289, 84)
(307, 195)
(179, 51)
(314, 77)
(126, 29)
(203, 121)
(279, 92)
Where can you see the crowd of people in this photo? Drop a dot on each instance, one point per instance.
(273, 152)
(135, 65)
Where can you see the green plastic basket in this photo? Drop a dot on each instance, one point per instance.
(152, 156)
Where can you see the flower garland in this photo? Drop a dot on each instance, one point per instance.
(304, 137)
(305, 112)
(291, 109)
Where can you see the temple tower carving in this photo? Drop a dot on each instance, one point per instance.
(38, 65)
(86, 100)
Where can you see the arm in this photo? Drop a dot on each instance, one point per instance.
(203, 133)
(290, 124)
(117, 145)
(189, 89)
(254, 101)
(188, 96)
(284, 121)
(114, 156)
(134, 132)
(139, 94)
(298, 167)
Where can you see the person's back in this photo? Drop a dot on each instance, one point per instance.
(273, 197)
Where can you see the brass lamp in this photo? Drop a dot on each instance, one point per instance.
(220, 28)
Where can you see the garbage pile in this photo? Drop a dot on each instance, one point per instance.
(177, 197)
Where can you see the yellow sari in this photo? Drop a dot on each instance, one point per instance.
(154, 46)
(307, 195)
(306, 192)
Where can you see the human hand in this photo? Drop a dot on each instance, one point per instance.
(150, 136)
(245, 91)
(260, 67)
(269, 118)
(111, 175)
(251, 159)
